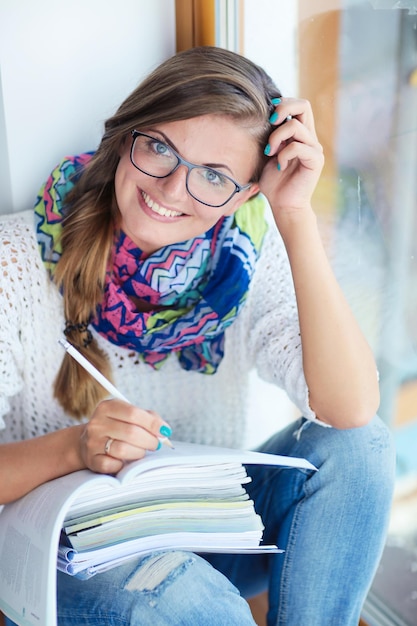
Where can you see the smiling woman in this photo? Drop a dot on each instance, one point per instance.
(154, 257)
(169, 199)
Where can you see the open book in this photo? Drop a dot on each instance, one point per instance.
(190, 498)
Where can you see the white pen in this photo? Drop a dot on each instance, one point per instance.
(104, 382)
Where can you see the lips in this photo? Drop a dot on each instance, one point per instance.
(157, 208)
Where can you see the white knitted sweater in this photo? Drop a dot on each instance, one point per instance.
(201, 408)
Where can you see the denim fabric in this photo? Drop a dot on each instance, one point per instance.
(162, 589)
(332, 524)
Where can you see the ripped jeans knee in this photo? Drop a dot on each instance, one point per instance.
(157, 571)
(163, 588)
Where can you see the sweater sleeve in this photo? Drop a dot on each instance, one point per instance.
(12, 299)
(274, 336)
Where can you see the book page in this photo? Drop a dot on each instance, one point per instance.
(29, 535)
(200, 454)
(147, 472)
(150, 473)
(85, 565)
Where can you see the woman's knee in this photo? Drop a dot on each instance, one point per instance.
(362, 457)
(372, 441)
(165, 588)
(182, 588)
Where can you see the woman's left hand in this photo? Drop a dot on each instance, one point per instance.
(295, 158)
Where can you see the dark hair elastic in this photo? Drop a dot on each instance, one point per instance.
(79, 328)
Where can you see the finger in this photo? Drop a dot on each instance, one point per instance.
(127, 440)
(105, 464)
(131, 438)
(124, 413)
(292, 130)
(308, 156)
(128, 451)
(109, 455)
(296, 108)
(126, 427)
(144, 431)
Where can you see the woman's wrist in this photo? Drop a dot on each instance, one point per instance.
(72, 456)
(296, 225)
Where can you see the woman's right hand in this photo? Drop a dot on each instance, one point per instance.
(294, 150)
(118, 432)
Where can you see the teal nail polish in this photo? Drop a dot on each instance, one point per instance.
(273, 117)
(276, 100)
(165, 431)
(267, 149)
(158, 446)
(278, 167)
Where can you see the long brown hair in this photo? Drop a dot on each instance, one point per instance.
(198, 81)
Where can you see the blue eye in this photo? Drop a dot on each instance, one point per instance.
(160, 148)
(212, 177)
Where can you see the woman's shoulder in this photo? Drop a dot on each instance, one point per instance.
(17, 226)
(17, 234)
(273, 243)
(272, 287)
(273, 264)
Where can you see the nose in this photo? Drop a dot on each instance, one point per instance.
(174, 185)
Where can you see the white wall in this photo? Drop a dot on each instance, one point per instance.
(270, 40)
(65, 67)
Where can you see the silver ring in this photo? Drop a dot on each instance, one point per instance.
(108, 445)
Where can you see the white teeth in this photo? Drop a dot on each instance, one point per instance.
(157, 208)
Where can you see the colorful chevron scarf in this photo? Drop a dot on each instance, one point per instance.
(198, 287)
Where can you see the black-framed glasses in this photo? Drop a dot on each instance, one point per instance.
(154, 157)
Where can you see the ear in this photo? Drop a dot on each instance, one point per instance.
(241, 198)
(253, 189)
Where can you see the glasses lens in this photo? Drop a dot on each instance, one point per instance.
(153, 156)
(210, 186)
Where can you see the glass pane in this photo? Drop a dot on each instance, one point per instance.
(356, 61)
(357, 64)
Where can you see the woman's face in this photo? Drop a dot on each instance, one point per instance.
(156, 212)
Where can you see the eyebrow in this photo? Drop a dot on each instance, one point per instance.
(171, 143)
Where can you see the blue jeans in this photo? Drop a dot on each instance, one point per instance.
(331, 523)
